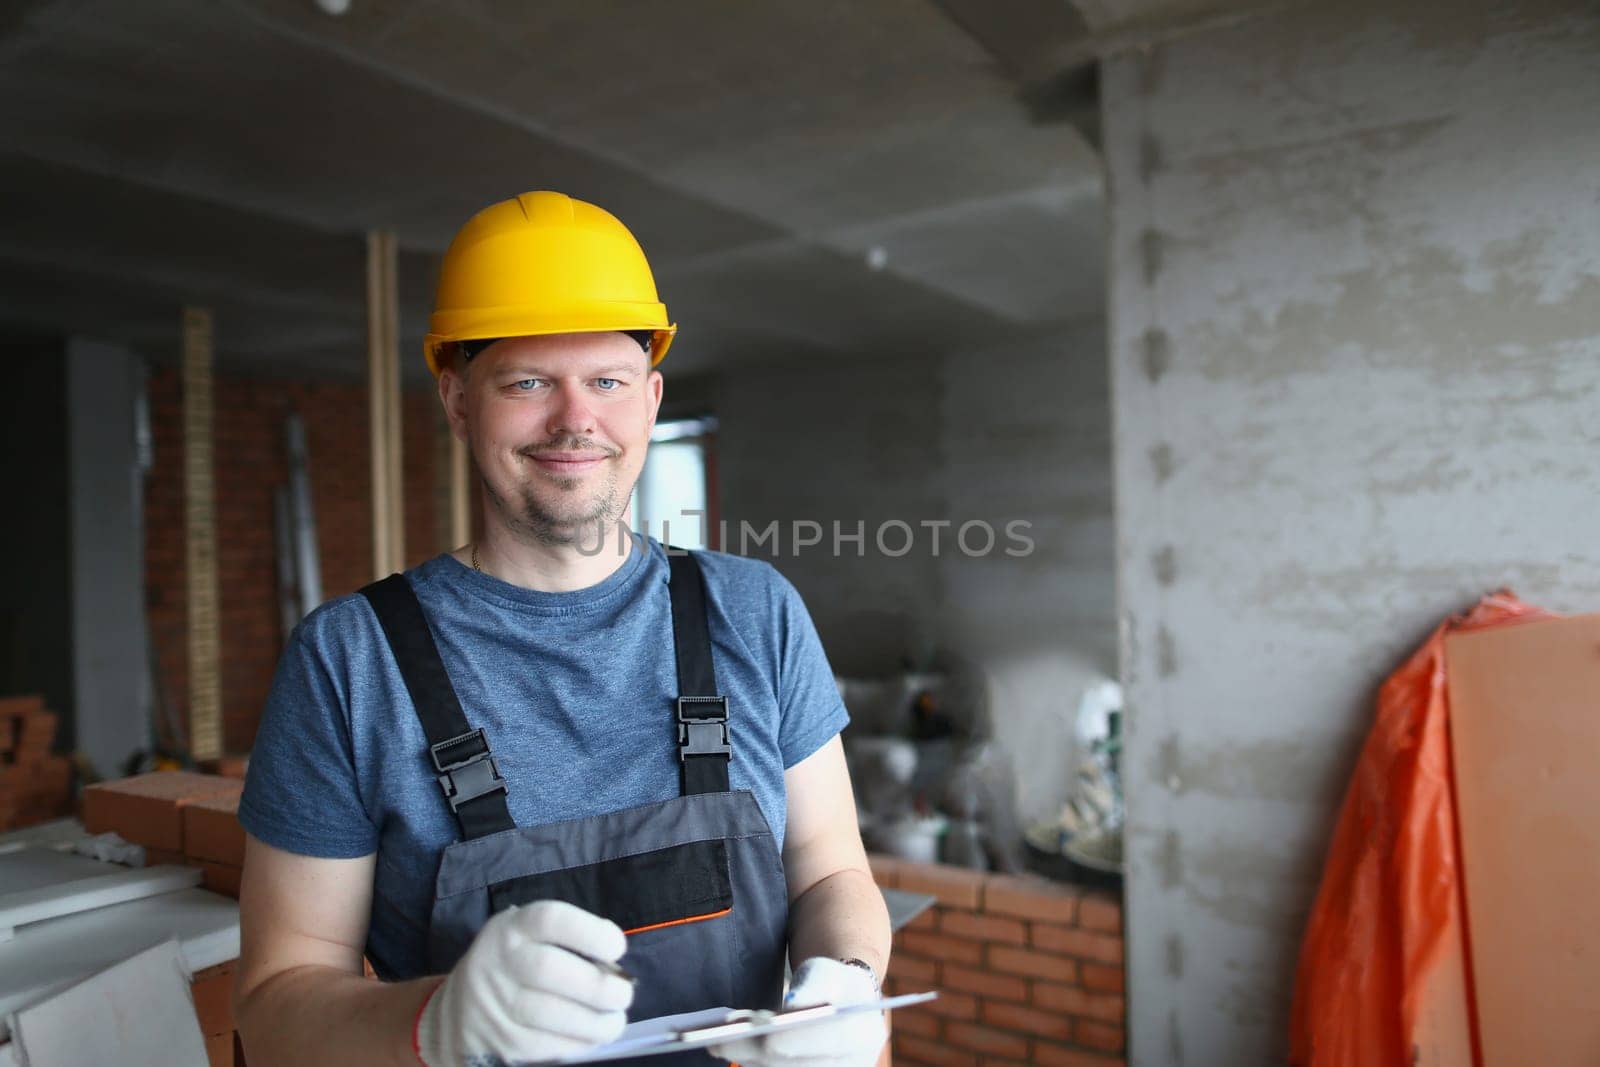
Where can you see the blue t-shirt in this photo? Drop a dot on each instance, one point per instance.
(575, 690)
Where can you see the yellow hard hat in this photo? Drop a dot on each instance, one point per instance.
(544, 263)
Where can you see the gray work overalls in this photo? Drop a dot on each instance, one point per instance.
(696, 881)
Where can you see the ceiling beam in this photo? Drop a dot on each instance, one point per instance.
(1045, 47)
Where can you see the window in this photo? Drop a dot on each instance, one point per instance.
(675, 500)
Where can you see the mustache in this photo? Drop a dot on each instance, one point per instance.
(570, 444)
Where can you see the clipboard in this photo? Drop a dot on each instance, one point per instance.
(712, 1026)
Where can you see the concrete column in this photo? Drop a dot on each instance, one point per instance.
(110, 662)
(1355, 341)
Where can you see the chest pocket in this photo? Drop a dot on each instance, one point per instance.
(645, 891)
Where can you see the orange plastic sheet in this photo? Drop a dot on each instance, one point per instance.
(1383, 979)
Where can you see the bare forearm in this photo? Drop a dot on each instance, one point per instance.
(843, 916)
(314, 1015)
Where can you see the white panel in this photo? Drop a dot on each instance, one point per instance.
(110, 662)
(138, 1013)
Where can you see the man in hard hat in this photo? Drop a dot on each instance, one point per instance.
(525, 762)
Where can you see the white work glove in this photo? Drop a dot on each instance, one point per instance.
(848, 1041)
(520, 994)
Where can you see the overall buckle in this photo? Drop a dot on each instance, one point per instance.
(466, 768)
(703, 727)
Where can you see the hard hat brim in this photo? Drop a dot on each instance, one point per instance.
(485, 327)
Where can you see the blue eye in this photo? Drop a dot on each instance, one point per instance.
(527, 384)
(608, 384)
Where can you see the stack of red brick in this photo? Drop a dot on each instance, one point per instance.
(185, 818)
(1028, 971)
(35, 785)
(179, 817)
(191, 819)
(213, 1008)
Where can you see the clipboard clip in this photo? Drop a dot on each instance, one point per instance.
(744, 1019)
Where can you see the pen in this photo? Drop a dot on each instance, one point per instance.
(606, 966)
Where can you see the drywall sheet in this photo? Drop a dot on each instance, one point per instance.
(1525, 733)
(110, 884)
(46, 957)
(137, 1013)
(25, 867)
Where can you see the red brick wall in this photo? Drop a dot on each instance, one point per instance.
(250, 461)
(1028, 971)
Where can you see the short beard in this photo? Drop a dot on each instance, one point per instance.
(530, 520)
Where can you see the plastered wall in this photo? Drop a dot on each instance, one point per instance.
(1016, 433)
(1355, 348)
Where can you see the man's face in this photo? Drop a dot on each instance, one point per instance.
(558, 426)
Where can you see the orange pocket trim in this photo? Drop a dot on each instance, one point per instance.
(680, 922)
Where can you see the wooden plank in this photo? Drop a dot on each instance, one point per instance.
(383, 407)
(1525, 729)
(377, 372)
(460, 493)
(393, 423)
(452, 496)
(200, 532)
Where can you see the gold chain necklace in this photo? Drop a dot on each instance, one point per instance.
(475, 558)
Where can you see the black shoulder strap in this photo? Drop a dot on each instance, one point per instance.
(460, 754)
(702, 712)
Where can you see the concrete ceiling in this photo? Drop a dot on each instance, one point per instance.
(1117, 24)
(810, 177)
